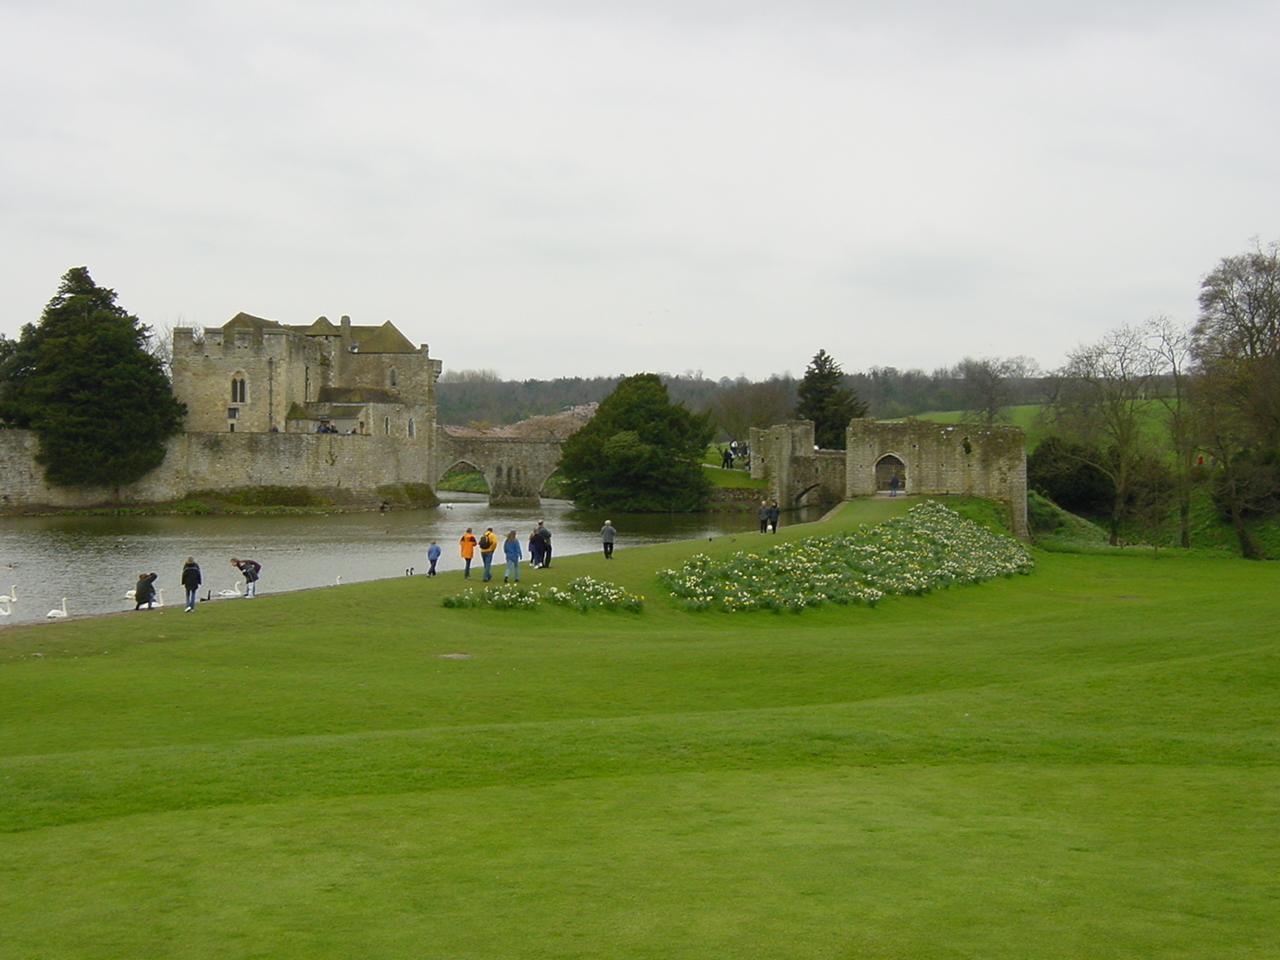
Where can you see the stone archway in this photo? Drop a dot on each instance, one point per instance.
(887, 467)
(514, 469)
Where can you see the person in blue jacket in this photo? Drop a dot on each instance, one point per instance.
(433, 554)
(511, 550)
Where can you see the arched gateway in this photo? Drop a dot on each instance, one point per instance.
(963, 459)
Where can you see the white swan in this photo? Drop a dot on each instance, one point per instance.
(158, 600)
(130, 594)
(7, 609)
(237, 590)
(12, 597)
(57, 614)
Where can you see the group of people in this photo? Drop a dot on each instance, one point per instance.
(735, 451)
(487, 544)
(145, 593)
(768, 514)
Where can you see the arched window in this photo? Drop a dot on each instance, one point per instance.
(237, 388)
(392, 376)
(412, 430)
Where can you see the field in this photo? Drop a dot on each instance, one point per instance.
(1076, 763)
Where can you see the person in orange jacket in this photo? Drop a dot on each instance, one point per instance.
(468, 547)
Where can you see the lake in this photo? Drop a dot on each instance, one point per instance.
(92, 561)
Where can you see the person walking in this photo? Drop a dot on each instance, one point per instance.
(467, 547)
(774, 514)
(251, 570)
(535, 548)
(545, 535)
(488, 544)
(607, 534)
(894, 483)
(433, 554)
(763, 514)
(511, 550)
(144, 591)
(191, 582)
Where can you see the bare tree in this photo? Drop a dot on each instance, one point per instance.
(1236, 343)
(1102, 401)
(738, 408)
(1171, 344)
(990, 385)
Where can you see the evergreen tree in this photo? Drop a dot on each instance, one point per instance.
(825, 400)
(83, 380)
(639, 453)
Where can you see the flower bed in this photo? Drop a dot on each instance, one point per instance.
(931, 547)
(586, 593)
(581, 593)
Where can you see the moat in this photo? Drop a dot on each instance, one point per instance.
(92, 561)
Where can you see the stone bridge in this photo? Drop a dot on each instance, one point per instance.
(514, 469)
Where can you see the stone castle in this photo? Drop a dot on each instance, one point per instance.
(260, 376)
(346, 410)
(349, 411)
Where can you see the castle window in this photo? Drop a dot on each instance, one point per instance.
(386, 426)
(233, 412)
(412, 431)
(392, 377)
(237, 389)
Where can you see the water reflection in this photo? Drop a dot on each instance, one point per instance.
(92, 561)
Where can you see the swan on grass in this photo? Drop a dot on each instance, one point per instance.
(237, 590)
(55, 613)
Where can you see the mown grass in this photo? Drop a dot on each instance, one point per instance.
(1077, 763)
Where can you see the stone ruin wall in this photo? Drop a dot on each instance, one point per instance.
(944, 459)
(960, 459)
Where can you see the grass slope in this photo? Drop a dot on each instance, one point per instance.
(1078, 763)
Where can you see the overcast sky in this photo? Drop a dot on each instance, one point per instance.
(591, 188)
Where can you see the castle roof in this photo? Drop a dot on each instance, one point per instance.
(366, 338)
(383, 339)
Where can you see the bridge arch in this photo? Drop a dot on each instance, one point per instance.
(515, 470)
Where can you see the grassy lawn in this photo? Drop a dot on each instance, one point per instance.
(1079, 763)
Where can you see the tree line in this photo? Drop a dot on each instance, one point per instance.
(1150, 413)
(984, 387)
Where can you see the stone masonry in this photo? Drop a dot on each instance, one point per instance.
(928, 458)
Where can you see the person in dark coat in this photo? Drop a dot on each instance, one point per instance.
(251, 570)
(191, 581)
(774, 514)
(607, 536)
(545, 535)
(535, 549)
(145, 591)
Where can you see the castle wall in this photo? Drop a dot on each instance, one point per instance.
(278, 368)
(349, 468)
(929, 458)
(963, 459)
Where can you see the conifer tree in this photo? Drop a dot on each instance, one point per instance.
(639, 452)
(83, 380)
(825, 400)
